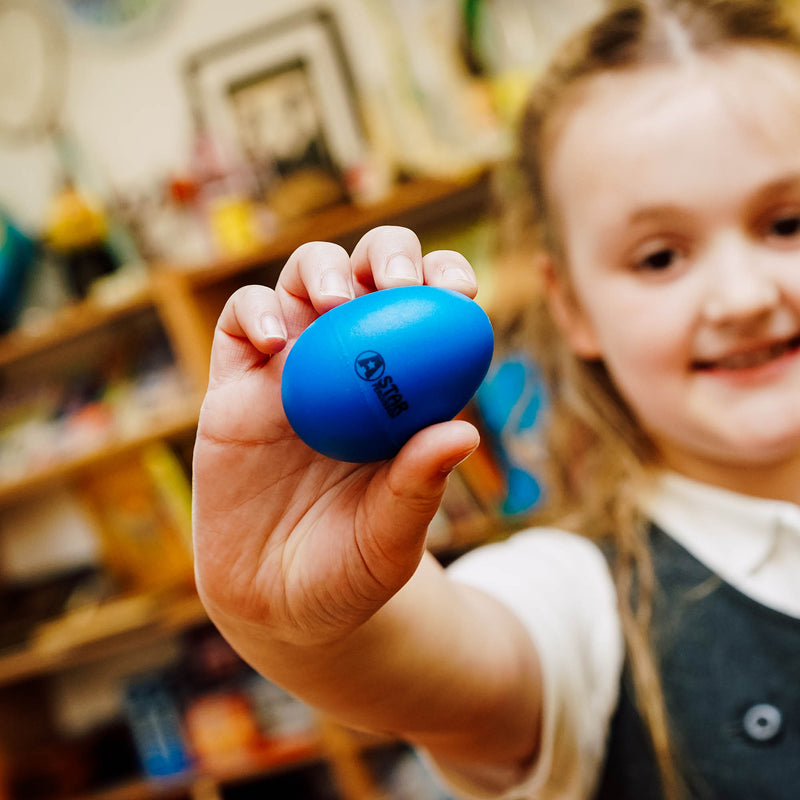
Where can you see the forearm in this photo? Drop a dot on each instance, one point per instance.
(441, 665)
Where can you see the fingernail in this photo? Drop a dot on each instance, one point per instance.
(401, 267)
(334, 283)
(272, 327)
(456, 273)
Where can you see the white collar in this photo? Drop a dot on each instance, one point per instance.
(751, 542)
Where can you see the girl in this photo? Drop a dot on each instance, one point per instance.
(661, 156)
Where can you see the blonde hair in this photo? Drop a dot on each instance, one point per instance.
(599, 458)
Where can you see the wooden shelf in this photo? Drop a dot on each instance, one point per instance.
(186, 300)
(420, 201)
(274, 757)
(279, 755)
(423, 200)
(69, 323)
(156, 619)
(168, 619)
(169, 426)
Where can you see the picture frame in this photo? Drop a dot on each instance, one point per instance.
(282, 98)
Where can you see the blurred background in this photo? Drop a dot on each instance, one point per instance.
(154, 156)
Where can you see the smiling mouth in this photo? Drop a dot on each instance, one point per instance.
(753, 358)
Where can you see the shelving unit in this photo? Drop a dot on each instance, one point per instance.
(207, 783)
(186, 301)
(154, 619)
(417, 203)
(196, 784)
(69, 323)
(179, 422)
(191, 298)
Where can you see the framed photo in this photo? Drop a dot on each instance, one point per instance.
(282, 97)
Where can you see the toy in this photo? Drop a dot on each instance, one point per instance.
(367, 375)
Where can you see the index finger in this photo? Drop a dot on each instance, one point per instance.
(250, 328)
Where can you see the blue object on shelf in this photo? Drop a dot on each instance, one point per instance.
(364, 377)
(17, 252)
(155, 723)
(511, 401)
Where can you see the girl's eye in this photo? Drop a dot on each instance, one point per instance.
(785, 227)
(659, 260)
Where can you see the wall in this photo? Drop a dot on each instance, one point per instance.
(126, 105)
(125, 101)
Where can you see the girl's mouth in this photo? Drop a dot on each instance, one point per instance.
(752, 358)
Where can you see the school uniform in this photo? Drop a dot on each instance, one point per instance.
(727, 622)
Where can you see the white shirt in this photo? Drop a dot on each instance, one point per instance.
(560, 586)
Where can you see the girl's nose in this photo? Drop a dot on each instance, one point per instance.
(741, 288)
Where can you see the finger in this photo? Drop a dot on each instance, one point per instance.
(318, 273)
(250, 326)
(415, 481)
(450, 270)
(388, 256)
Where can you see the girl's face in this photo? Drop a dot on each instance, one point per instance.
(677, 192)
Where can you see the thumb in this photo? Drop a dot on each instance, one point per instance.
(417, 478)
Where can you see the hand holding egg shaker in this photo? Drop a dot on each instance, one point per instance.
(367, 375)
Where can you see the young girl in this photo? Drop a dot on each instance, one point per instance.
(648, 645)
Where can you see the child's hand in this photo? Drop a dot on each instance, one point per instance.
(302, 546)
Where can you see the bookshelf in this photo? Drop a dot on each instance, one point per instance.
(169, 425)
(68, 323)
(185, 302)
(291, 754)
(277, 757)
(188, 300)
(144, 620)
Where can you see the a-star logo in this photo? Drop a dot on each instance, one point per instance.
(370, 365)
